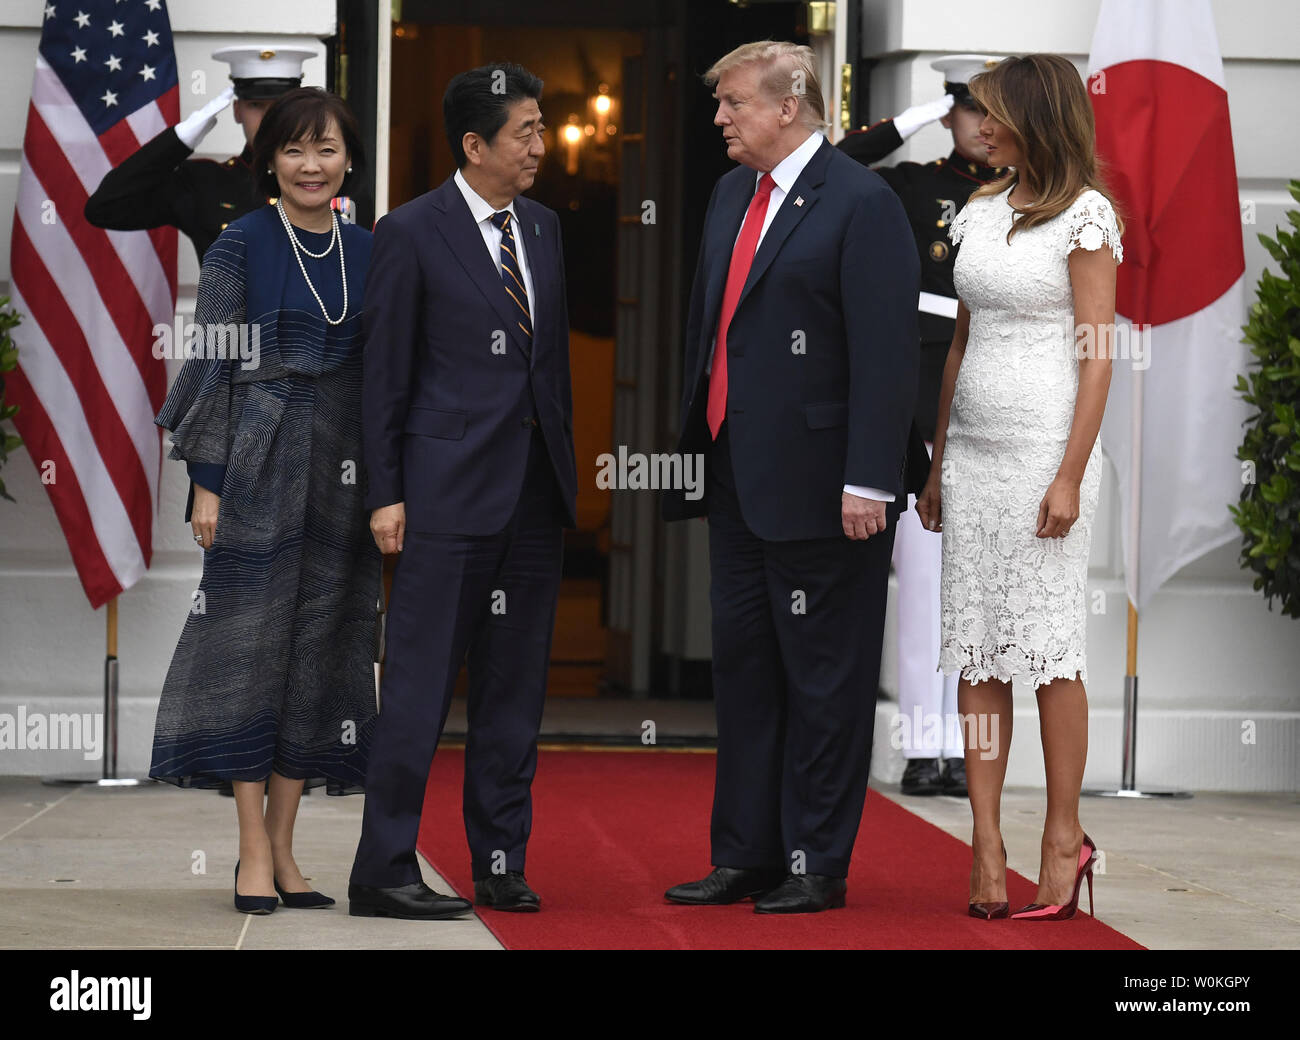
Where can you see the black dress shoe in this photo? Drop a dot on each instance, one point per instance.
(803, 894)
(922, 776)
(508, 891)
(954, 777)
(725, 885)
(413, 902)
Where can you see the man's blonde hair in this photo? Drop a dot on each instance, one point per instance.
(789, 70)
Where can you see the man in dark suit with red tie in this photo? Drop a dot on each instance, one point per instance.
(800, 383)
(467, 416)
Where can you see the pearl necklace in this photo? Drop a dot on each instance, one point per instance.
(299, 248)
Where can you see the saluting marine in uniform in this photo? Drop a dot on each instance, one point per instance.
(162, 186)
(932, 194)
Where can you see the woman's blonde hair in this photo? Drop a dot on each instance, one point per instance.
(1041, 100)
(789, 70)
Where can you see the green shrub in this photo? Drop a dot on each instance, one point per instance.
(1269, 511)
(8, 362)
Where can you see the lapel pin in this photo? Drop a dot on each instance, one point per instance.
(537, 231)
(799, 201)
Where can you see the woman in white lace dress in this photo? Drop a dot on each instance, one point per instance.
(1017, 461)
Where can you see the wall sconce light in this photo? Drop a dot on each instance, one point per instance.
(572, 136)
(602, 105)
(598, 129)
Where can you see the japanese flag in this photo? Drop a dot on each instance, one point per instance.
(1173, 419)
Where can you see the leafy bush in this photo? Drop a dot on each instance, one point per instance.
(1269, 511)
(8, 362)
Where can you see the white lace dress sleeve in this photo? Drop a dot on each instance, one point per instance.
(1092, 224)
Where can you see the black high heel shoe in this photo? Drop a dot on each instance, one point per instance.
(302, 900)
(253, 904)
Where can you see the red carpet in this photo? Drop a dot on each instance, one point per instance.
(613, 829)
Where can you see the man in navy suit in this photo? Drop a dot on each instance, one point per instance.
(800, 381)
(468, 432)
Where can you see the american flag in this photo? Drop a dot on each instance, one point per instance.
(87, 383)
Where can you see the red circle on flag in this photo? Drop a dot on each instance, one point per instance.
(1164, 136)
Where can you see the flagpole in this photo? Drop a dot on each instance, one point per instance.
(1128, 766)
(109, 777)
(110, 692)
(1128, 770)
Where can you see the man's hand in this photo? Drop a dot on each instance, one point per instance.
(910, 120)
(199, 124)
(862, 517)
(388, 525)
(203, 516)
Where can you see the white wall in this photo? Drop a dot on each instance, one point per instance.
(51, 642)
(1211, 655)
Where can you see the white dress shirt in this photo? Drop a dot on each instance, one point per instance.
(784, 174)
(482, 212)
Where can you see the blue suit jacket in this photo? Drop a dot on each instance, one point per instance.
(446, 403)
(822, 350)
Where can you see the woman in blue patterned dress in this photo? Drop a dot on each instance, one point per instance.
(272, 686)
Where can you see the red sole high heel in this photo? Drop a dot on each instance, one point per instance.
(1042, 912)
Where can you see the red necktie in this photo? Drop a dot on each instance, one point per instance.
(742, 258)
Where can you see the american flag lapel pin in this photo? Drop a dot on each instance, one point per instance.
(799, 201)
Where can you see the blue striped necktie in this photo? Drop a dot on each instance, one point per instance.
(511, 277)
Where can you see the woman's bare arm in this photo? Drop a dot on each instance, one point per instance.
(956, 351)
(1092, 280)
(927, 503)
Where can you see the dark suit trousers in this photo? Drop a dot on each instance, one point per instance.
(797, 630)
(488, 601)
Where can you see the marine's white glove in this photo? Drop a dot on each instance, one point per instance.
(911, 120)
(192, 129)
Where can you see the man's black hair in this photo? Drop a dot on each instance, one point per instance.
(478, 101)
